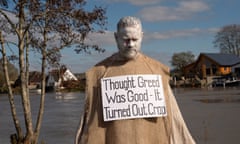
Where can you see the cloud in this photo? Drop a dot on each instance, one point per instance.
(167, 10)
(144, 2)
(183, 10)
(10, 15)
(138, 2)
(6, 28)
(101, 39)
(193, 6)
(213, 30)
(78, 63)
(177, 33)
(107, 39)
(83, 61)
(194, 32)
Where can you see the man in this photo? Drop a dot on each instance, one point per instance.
(167, 128)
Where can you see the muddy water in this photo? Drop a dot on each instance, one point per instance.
(212, 115)
(61, 117)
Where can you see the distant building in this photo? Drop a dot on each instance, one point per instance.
(34, 80)
(56, 77)
(34, 77)
(213, 64)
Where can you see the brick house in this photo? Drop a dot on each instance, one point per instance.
(213, 64)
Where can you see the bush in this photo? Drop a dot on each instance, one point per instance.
(3, 90)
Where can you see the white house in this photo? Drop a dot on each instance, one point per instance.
(56, 77)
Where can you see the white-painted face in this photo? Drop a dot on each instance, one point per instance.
(129, 41)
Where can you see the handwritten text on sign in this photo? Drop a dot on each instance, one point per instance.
(132, 96)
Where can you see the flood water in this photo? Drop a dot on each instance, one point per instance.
(61, 117)
(212, 115)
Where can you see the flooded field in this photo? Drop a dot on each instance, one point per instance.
(212, 115)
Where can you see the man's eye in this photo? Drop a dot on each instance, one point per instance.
(127, 40)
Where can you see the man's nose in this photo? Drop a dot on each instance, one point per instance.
(130, 43)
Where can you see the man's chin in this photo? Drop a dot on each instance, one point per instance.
(131, 55)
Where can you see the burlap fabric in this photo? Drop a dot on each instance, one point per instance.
(162, 130)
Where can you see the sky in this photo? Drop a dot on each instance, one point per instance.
(169, 26)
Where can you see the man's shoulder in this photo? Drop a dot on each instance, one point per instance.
(101, 66)
(155, 63)
(105, 62)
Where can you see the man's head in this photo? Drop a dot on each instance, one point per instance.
(129, 37)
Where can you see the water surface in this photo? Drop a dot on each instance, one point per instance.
(212, 115)
(61, 117)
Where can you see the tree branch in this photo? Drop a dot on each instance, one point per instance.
(10, 93)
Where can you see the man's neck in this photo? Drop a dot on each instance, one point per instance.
(120, 57)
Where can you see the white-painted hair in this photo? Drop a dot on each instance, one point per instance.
(129, 21)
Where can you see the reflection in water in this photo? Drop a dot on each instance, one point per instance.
(65, 96)
(212, 115)
(219, 100)
(61, 117)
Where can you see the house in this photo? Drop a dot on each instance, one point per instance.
(34, 80)
(56, 78)
(213, 64)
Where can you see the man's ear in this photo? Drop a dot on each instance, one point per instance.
(115, 35)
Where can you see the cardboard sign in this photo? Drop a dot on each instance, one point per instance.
(132, 96)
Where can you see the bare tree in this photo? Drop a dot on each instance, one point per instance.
(13, 72)
(39, 23)
(227, 40)
(179, 60)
